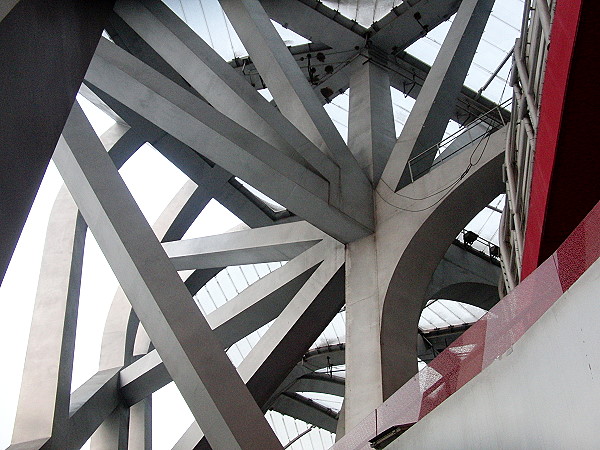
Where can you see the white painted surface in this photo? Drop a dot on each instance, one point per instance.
(542, 395)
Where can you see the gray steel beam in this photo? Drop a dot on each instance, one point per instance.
(254, 307)
(407, 74)
(122, 34)
(140, 425)
(300, 105)
(43, 408)
(217, 182)
(218, 83)
(319, 382)
(465, 277)
(244, 154)
(409, 21)
(90, 404)
(292, 333)
(120, 331)
(371, 132)
(45, 51)
(322, 357)
(426, 123)
(157, 294)
(117, 73)
(309, 411)
(268, 244)
(316, 22)
(46, 384)
(7, 7)
(298, 326)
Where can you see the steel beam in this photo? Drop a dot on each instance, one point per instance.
(309, 411)
(429, 116)
(235, 149)
(371, 132)
(218, 83)
(43, 408)
(157, 294)
(254, 307)
(268, 244)
(292, 333)
(299, 104)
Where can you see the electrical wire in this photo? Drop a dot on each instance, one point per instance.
(454, 183)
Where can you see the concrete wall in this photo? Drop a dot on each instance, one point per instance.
(543, 393)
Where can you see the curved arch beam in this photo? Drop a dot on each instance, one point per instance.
(388, 273)
(432, 231)
(302, 408)
(482, 295)
(463, 276)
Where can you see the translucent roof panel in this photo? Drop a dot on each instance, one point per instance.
(446, 313)
(332, 402)
(498, 39)
(305, 436)
(207, 19)
(365, 12)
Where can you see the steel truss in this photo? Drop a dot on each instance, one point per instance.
(356, 231)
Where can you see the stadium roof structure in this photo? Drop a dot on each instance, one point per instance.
(360, 146)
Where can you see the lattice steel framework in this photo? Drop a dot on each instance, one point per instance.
(367, 225)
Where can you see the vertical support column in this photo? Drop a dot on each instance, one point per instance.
(436, 102)
(43, 408)
(113, 434)
(140, 425)
(371, 133)
(45, 49)
(364, 390)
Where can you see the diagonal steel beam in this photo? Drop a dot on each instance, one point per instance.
(292, 333)
(298, 102)
(316, 22)
(214, 180)
(429, 116)
(255, 306)
(158, 296)
(218, 83)
(371, 132)
(309, 411)
(42, 69)
(409, 21)
(275, 243)
(235, 149)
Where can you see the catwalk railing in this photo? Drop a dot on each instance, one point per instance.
(476, 131)
(485, 341)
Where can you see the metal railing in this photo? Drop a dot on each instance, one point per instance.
(437, 152)
(480, 245)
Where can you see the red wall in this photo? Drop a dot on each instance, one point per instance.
(565, 183)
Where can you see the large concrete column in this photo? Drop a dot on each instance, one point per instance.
(389, 272)
(364, 391)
